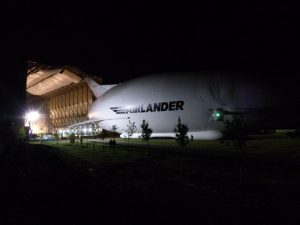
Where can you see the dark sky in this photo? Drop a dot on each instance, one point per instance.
(121, 41)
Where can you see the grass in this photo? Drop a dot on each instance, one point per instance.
(93, 154)
(201, 177)
(168, 152)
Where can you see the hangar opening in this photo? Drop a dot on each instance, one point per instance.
(58, 97)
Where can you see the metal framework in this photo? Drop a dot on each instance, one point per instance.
(68, 106)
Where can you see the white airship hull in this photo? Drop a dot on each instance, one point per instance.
(162, 99)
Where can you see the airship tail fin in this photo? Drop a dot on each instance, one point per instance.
(96, 88)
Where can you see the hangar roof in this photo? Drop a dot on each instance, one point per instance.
(41, 80)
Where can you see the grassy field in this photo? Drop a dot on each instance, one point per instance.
(94, 155)
(163, 183)
(271, 144)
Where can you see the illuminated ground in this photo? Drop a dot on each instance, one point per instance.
(160, 184)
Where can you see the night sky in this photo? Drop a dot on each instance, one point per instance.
(119, 41)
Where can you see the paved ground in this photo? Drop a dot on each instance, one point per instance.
(38, 188)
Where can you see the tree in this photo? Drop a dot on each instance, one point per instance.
(146, 131)
(72, 138)
(131, 129)
(181, 131)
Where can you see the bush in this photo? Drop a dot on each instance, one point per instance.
(236, 131)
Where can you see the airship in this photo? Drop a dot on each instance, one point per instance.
(202, 101)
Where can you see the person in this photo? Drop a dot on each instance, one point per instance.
(192, 137)
(80, 138)
(112, 144)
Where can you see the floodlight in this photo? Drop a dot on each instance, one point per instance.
(32, 116)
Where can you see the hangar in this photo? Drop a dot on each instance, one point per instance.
(56, 97)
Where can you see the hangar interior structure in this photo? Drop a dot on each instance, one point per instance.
(59, 97)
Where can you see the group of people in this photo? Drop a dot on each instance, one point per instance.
(112, 142)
